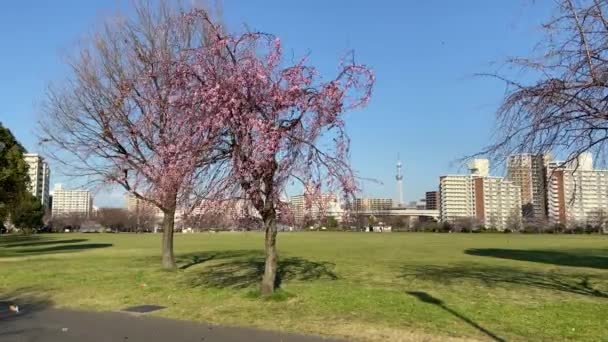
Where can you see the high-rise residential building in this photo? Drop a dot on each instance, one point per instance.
(371, 204)
(432, 200)
(40, 174)
(528, 171)
(316, 207)
(457, 197)
(497, 202)
(577, 194)
(71, 201)
(493, 201)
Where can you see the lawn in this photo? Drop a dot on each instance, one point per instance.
(358, 286)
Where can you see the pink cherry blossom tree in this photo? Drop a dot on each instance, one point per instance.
(283, 123)
(129, 116)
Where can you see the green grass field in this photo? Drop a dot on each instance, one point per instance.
(358, 286)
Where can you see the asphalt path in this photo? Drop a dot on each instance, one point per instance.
(46, 324)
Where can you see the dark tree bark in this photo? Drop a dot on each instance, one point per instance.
(271, 262)
(168, 259)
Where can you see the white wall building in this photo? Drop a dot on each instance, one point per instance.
(71, 201)
(577, 194)
(40, 174)
(479, 167)
(492, 201)
(456, 197)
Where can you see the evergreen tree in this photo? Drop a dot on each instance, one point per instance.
(13, 172)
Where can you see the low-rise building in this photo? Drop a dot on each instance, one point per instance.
(372, 204)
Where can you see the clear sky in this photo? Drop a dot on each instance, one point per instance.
(427, 105)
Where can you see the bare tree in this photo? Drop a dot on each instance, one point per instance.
(116, 219)
(128, 116)
(566, 107)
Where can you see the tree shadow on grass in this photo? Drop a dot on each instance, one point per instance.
(186, 261)
(6, 240)
(427, 298)
(491, 276)
(36, 245)
(242, 269)
(64, 248)
(45, 242)
(576, 258)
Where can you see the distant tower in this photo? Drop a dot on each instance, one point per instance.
(399, 178)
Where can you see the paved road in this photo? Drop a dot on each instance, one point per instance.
(53, 325)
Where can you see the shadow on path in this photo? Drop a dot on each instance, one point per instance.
(244, 268)
(577, 258)
(427, 298)
(29, 300)
(492, 275)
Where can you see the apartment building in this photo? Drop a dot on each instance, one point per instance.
(528, 171)
(432, 200)
(39, 174)
(577, 194)
(316, 207)
(497, 202)
(371, 204)
(457, 197)
(493, 201)
(71, 201)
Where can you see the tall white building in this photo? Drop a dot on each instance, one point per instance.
(40, 174)
(456, 197)
(71, 201)
(493, 201)
(528, 171)
(577, 194)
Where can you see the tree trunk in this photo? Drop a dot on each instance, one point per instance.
(167, 244)
(270, 265)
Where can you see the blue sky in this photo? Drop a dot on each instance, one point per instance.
(427, 105)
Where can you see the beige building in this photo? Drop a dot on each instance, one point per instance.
(372, 204)
(528, 171)
(71, 201)
(493, 201)
(577, 194)
(39, 174)
(323, 205)
(497, 202)
(135, 204)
